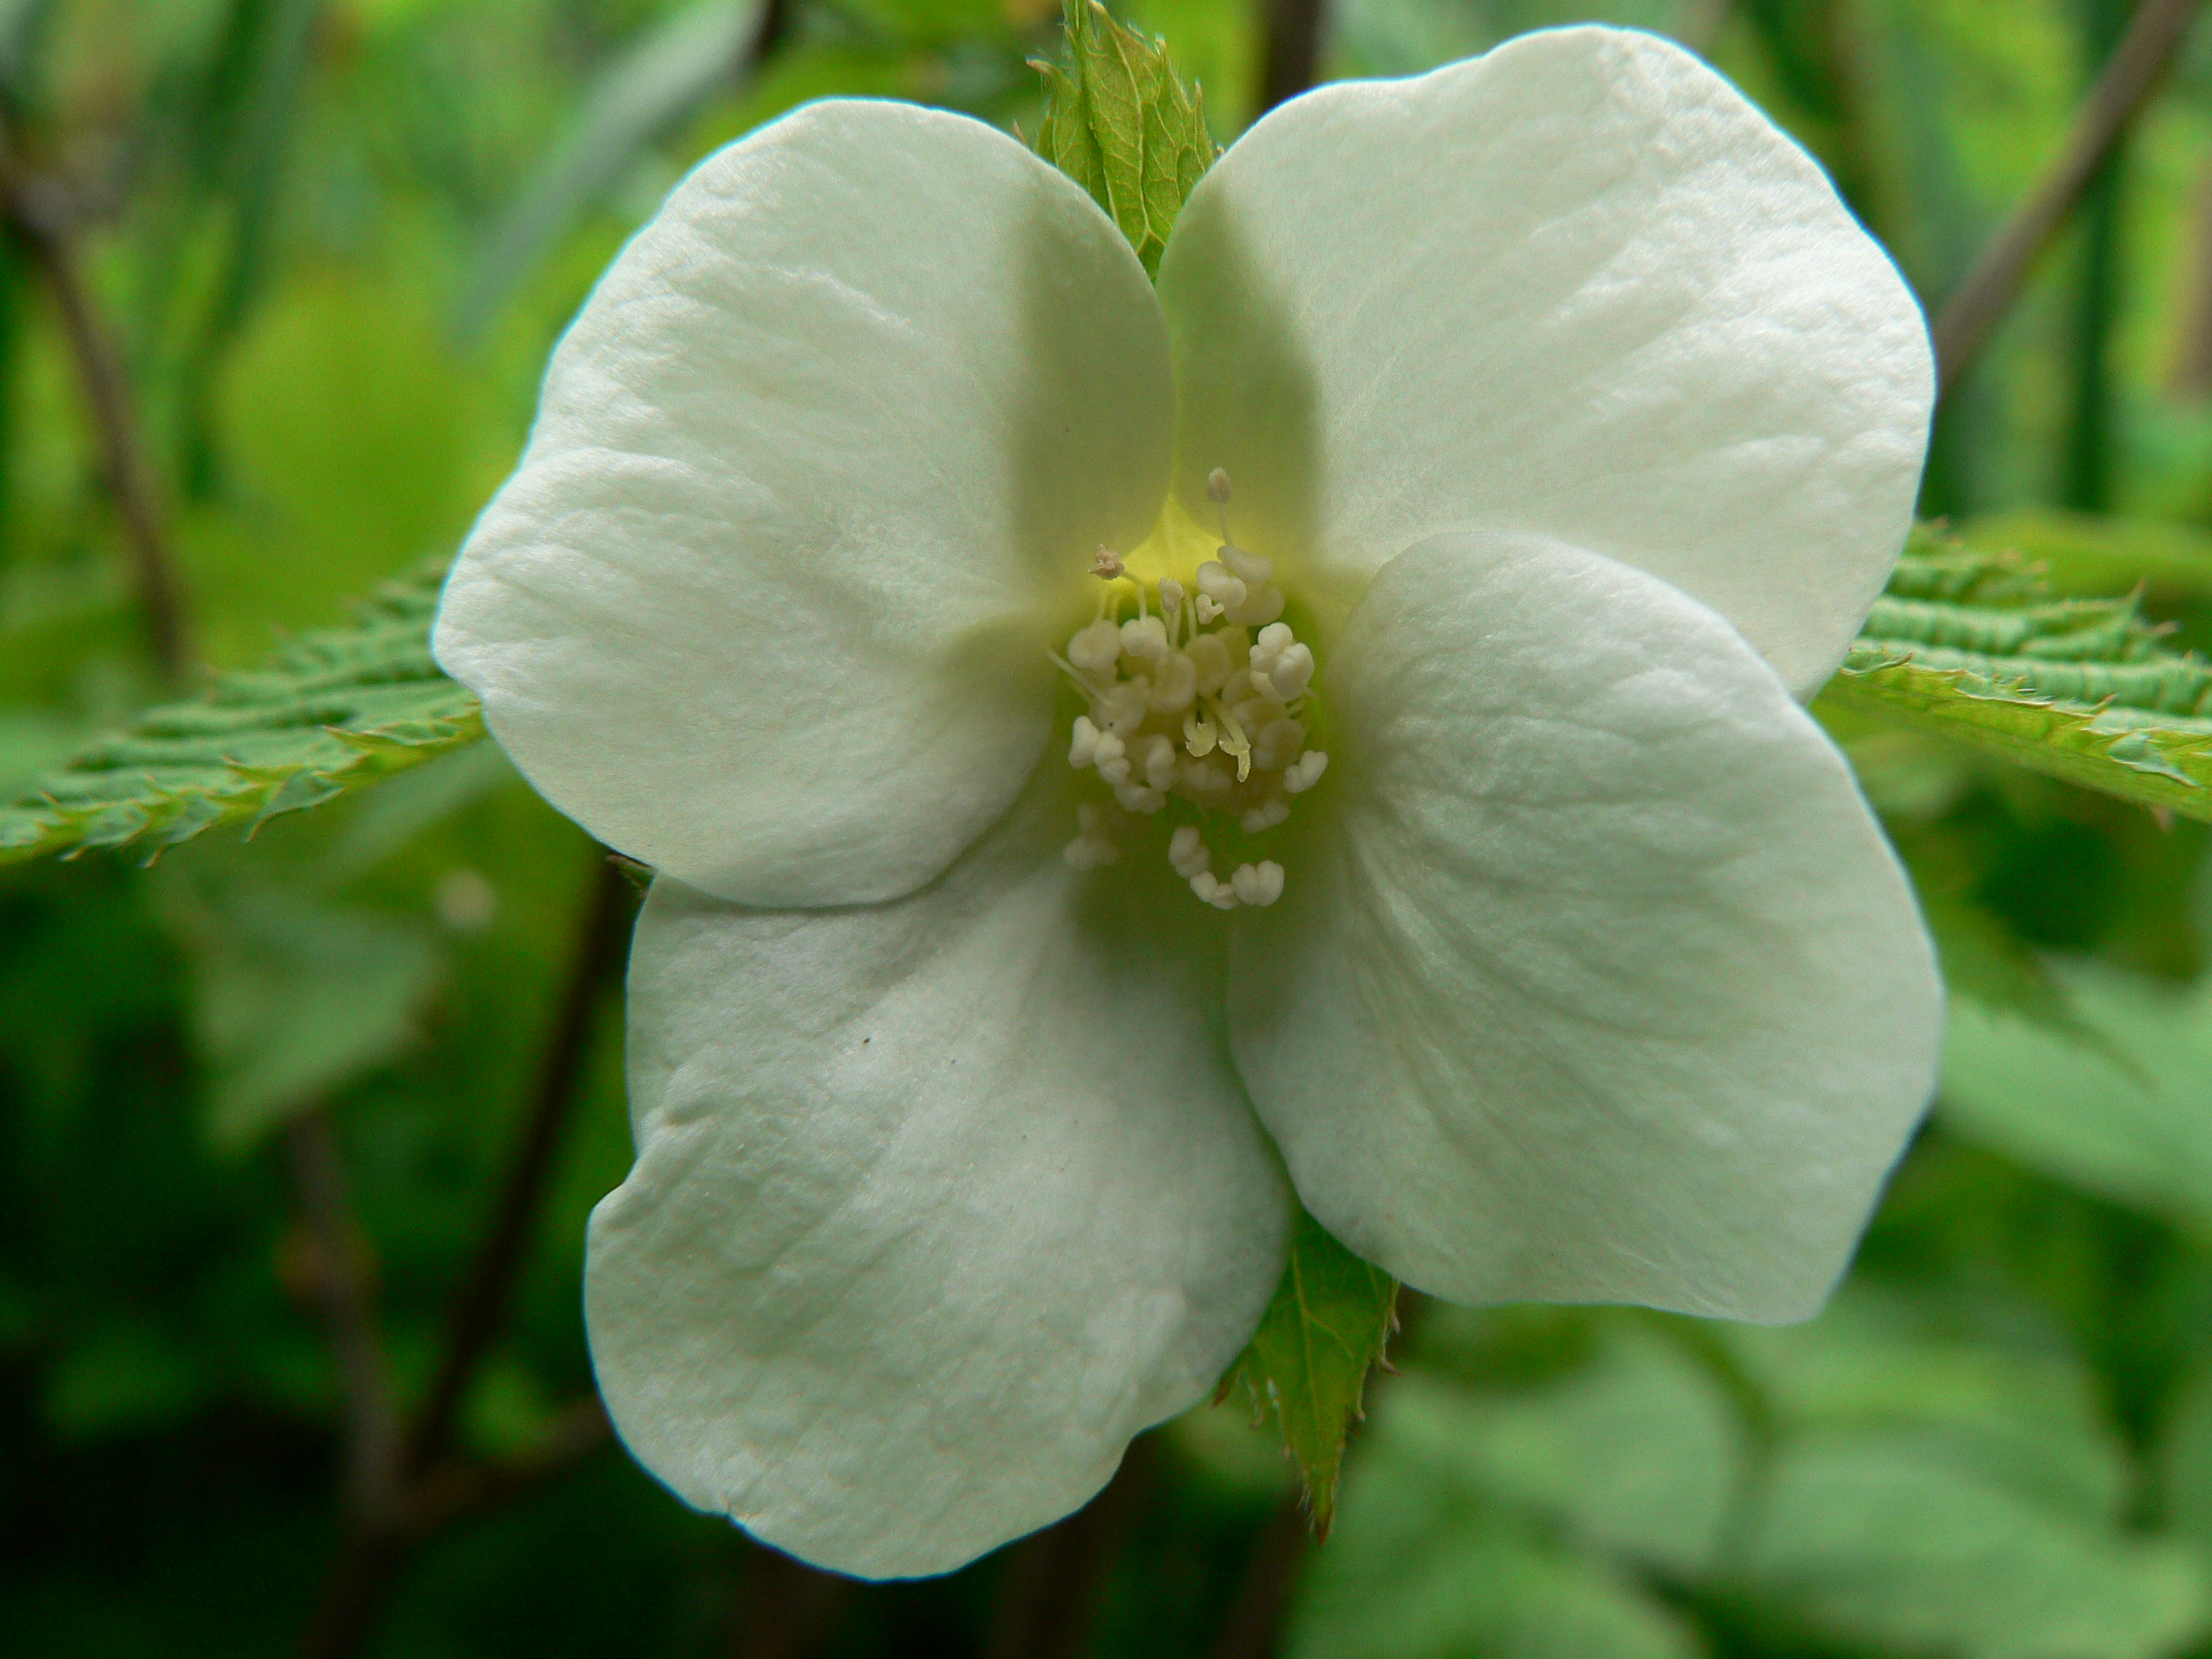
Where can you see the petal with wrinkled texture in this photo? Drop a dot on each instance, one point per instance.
(1577, 286)
(1594, 979)
(937, 1203)
(815, 474)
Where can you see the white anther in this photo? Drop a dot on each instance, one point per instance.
(1205, 776)
(1210, 655)
(1089, 852)
(1187, 851)
(1265, 605)
(1108, 566)
(1265, 816)
(1274, 640)
(1094, 649)
(1159, 761)
(1110, 755)
(1135, 797)
(1208, 610)
(1216, 584)
(1258, 884)
(1199, 734)
(1257, 715)
(1306, 771)
(1291, 671)
(1217, 487)
(1254, 570)
(1123, 708)
(1145, 638)
(1277, 743)
(1082, 748)
(1171, 595)
(1213, 890)
(1174, 683)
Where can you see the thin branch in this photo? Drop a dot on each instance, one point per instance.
(345, 1279)
(458, 1491)
(482, 1307)
(2124, 85)
(1253, 1625)
(788, 1605)
(1697, 24)
(429, 1491)
(1290, 48)
(1049, 1582)
(39, 214)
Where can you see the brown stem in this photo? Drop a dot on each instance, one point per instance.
(1252, 1628)
(1290, 48)
(1050, 1580)
(458, 1491)
(788, 1605)
(41, 217)
(428, 1493)
(1253, 1625)
(344, 1279)
(482, 1306)
(2125, 82)
(1697, 24)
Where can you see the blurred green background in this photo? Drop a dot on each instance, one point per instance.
(328, 244)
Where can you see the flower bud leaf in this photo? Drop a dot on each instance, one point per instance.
(1120, 122)
(1306, 1366)
(336, 710)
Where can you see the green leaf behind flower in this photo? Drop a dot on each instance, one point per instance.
(1974, 646)
(1120, 122)
(336, 710)
(1306, 1367)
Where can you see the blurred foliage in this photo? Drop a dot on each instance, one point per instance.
(334, 240)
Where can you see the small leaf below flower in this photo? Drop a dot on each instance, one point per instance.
(1306, 1366)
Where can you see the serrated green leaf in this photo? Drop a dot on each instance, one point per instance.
(1306, 1366)
(1120, 122)
(339, 708)
(1973, 646)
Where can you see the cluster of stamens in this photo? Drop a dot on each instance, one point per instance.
(1197, 697)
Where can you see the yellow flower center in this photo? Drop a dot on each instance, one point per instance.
(1196, 689)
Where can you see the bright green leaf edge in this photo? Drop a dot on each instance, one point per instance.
(1972, 646)
(338, 710)
(1120, 122)
(1305, 1368)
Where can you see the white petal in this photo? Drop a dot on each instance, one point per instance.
(1579, 287)
(817, 472)
(1595, 979)
(937, 1204)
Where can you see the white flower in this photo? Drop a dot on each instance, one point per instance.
(1572, 425)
